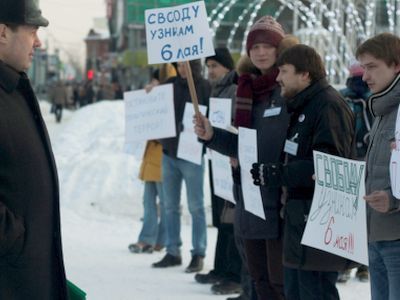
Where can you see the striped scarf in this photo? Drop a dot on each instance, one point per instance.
(252, 88)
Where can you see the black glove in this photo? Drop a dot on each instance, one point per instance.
(270, 174)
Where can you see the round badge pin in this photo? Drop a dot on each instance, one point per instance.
(302, 118)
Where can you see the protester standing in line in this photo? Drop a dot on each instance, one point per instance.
(258, 106)
(31, 259)
(322, 121)
(152, 236)
(225, 276)
(380, 58)
(175, 170)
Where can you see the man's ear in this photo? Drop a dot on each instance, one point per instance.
(305, 76)
(397, 68)
(3, 33)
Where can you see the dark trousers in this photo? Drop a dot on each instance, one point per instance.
(310, 285)
(58, 112)
(264, 261)
(227, 261)
(249, 292)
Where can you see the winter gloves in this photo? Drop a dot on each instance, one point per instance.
(269, 174)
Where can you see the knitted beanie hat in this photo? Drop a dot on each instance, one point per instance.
(223, 57)
(356, 70)
(265, 30)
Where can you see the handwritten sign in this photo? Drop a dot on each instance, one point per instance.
(220, 116)
(149, 116)
(178, 33)
(247, 156)
(337, 219)
(189, 148)
(222, 176)
(395, 161)
(220, 112)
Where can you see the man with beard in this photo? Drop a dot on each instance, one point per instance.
(322, 121)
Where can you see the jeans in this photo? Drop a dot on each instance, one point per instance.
(384, 269)
(153, 232)
(310, 285)
(176, 170)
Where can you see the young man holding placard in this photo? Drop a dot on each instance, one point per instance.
(380, 58)
(175, 170)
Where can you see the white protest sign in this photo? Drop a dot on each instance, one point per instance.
(220, 116)
(189, 148)
(222, 176)
(247, 156)
(395, 161)
(337, 220)
(149, 116)
(220, 112)
(178, 33)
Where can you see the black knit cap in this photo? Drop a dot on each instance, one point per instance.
(21, 12)
(223, 56)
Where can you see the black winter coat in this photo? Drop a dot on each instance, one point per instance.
(31, 260)
(271, 134)
(321, 120)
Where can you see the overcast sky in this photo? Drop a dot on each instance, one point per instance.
(70, 21)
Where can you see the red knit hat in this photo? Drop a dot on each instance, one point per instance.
(356, 70)
(265, 30)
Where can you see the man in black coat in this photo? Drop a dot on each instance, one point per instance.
(31, 260)
(322, 121)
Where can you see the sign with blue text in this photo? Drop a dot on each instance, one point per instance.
(149, 116)
(220, 116)
(337, 220)
(178, 33)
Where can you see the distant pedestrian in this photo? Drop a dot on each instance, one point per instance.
(59, 98)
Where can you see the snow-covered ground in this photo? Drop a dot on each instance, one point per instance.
(101, 207)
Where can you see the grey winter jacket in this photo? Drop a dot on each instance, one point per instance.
(383, 106)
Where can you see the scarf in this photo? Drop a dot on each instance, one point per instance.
(251, 88)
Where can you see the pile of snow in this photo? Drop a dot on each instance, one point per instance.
(101, 206)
